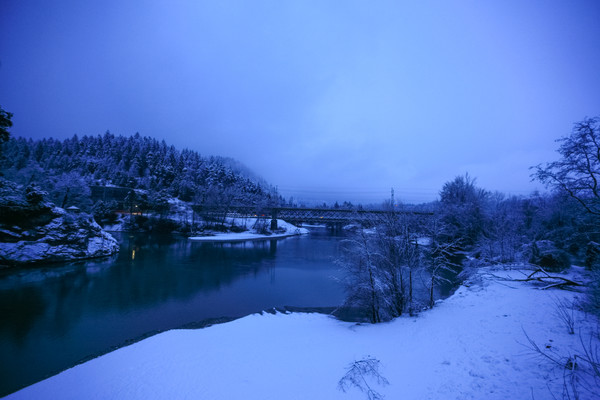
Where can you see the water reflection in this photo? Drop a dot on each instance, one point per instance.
(55, 315)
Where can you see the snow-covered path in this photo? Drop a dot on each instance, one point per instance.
(471, 346)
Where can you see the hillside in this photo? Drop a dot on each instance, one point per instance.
(66, 169)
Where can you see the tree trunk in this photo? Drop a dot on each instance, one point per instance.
(410, 292)
(64, 202)
(431, 290)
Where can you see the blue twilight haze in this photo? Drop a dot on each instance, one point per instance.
(328, 100)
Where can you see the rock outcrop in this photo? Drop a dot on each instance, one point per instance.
(33, 230)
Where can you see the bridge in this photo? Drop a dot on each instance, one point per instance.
(335, 215)
(294, 215)
(298, 216)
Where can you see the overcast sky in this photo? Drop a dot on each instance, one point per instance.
(325, 99)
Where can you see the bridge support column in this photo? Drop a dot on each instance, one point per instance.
(336, 227)
(274, 220)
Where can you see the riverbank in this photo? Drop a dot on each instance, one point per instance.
(471, 346)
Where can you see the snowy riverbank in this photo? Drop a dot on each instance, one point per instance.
(471, 346)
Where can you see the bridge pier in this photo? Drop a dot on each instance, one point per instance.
(274, 219)
(336, 227)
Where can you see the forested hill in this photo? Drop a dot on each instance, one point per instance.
(67, 168)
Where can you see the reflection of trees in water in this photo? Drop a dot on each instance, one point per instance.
(159, 272)
(162, 268)
(57, 304)
(20, 308)
(46, 296)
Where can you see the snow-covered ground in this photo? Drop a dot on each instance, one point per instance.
(285, 229)
(470, 346)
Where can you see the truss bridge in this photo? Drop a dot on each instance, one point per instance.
(335, 215)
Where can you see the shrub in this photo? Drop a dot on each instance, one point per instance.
(555, 261)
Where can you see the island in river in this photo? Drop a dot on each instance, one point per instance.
(253, 229)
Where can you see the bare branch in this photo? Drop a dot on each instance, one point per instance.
(360, 373)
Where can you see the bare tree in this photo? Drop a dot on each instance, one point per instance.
(393, 267)
(215, 202)
(438, 254)
(411, 257)
(578, 170)
(363, 284)
(402, 257)
(381, 265)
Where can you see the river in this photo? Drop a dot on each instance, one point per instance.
(55, 316)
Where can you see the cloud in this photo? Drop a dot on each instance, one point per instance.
(312, 95)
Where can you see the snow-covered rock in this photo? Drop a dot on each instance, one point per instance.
(32, 230)
(60, 240)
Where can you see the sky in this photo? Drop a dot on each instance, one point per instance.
(327, 100)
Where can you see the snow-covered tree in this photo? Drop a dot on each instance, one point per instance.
(5, 123)
(461, 204)
(134, 162)
(503, 232)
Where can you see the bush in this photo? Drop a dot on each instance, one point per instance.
(545, 254)
(592, 256)
(237, 229)
(554, 261)
(164, 226)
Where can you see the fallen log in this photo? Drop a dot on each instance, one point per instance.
(551, 281)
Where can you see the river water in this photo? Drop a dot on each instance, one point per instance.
(54, 316)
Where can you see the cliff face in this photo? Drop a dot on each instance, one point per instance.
(33, 230)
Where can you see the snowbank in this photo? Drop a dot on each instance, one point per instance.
(471, 346)
(285, 229)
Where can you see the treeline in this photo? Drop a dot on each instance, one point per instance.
(545, 229)
(472, 227)
(67, 168)
(395, 267)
